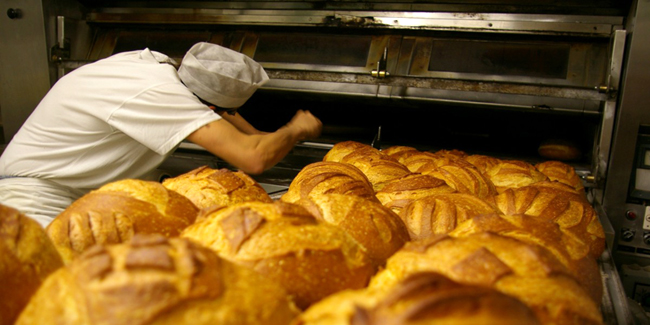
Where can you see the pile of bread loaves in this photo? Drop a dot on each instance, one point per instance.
(398, 236)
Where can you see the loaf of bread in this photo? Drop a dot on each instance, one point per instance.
(561, 204)
(483, 162)
(441, 213)
(27, 257)
(558, 149)
(527, 272)
(461, 176)
(561, 172)
(376, 228)
(342, 149)
(379, 168)
(206, 187)
(327, 178)
(400, 192)
(513, 174)
(421, 298)
(151, 279)
(400, 153)
(537, 231)
(283, 241)
(115, 212)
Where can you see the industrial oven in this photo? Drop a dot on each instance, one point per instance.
(494, 77)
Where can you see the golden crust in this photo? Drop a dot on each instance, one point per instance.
(461, 176)
(283, 241)
(328, 178)
(376, 228)
(561, 172)
(561, 204)
(441, 213)
(400, 192)
(27, 257)
(155, 280)
(528, 272)
(421, 298)
(533, 230)
(206, 187)
(513, 174)
(115, 212)
(378, 167)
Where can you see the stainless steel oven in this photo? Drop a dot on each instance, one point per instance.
(496, 77)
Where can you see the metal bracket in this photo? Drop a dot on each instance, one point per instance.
(381, 72)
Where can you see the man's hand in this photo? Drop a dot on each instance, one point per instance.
(306, 124)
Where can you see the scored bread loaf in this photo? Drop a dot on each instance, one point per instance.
(378, 167)
(513, 174)
(155, 280)
(461, 176)
(376, 228)
(27, 257)
(115, 212)
(421, 298)
(400, 192)
(440, 213)
(528, 272)
(283, 241)
(482, 162)
(561, 204)
(205, 187)
(325, 177)
(561, 172)
(533, 230)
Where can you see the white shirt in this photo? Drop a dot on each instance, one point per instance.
(117, 118)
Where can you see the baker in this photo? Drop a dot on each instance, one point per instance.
(122, 116)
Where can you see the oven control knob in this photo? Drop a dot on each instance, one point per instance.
(14, 13)
(627, 234)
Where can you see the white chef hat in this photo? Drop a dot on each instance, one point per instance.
(221, 76)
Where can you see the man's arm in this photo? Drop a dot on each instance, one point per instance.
(254, 153)
(240, 123)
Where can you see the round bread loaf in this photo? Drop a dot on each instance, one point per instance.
(421, 298)
(115, 212)
(342, 149)
(441, 213)
(537, 231)
(283, 241)
(378, 167)
(527, 272)
(206, 187)
(27, 257)
(325, 177)
(557, 149)
(461, 176)
(513, 174)
(400, 192)
(561, 204)
(154, 280)
(482, 162)
(376, 228)
(561, 172)
(400, 153)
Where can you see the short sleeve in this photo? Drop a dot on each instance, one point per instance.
(162, 116)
